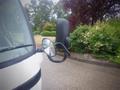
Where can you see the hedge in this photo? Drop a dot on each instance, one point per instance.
(101, 39)
(48, 33)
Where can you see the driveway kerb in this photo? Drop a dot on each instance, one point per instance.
(87, 58)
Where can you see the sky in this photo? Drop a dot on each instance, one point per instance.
(55, 1)
(28, 1)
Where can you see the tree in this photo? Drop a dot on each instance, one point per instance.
(59, 11)
(89, 11)
(39, 12)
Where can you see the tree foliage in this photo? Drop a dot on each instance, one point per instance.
(59, 10)
(89, 11)
(40, 12)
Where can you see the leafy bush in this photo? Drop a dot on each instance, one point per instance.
(78, 39)
(49, 27)
(102, 39)
(36, 31)
(106, 35)
(48, 33)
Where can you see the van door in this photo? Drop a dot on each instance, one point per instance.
(19, 65)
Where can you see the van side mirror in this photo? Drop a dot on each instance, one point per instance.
(48, 47)
(51, 50)
(62, 32)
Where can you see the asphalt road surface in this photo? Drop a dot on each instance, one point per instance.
(75, 75)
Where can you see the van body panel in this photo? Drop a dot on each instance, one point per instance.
(17, 74)
(38, 86)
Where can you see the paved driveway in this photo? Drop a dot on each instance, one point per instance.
(75, 75)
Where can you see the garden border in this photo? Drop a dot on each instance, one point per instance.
(87, 58)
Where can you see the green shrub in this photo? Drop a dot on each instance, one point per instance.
(102, 39)
(48, 33)
(49, 26)
(78, 39)
(36, 31)
(105, 37)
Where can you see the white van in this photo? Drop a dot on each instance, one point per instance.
(20, 60)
